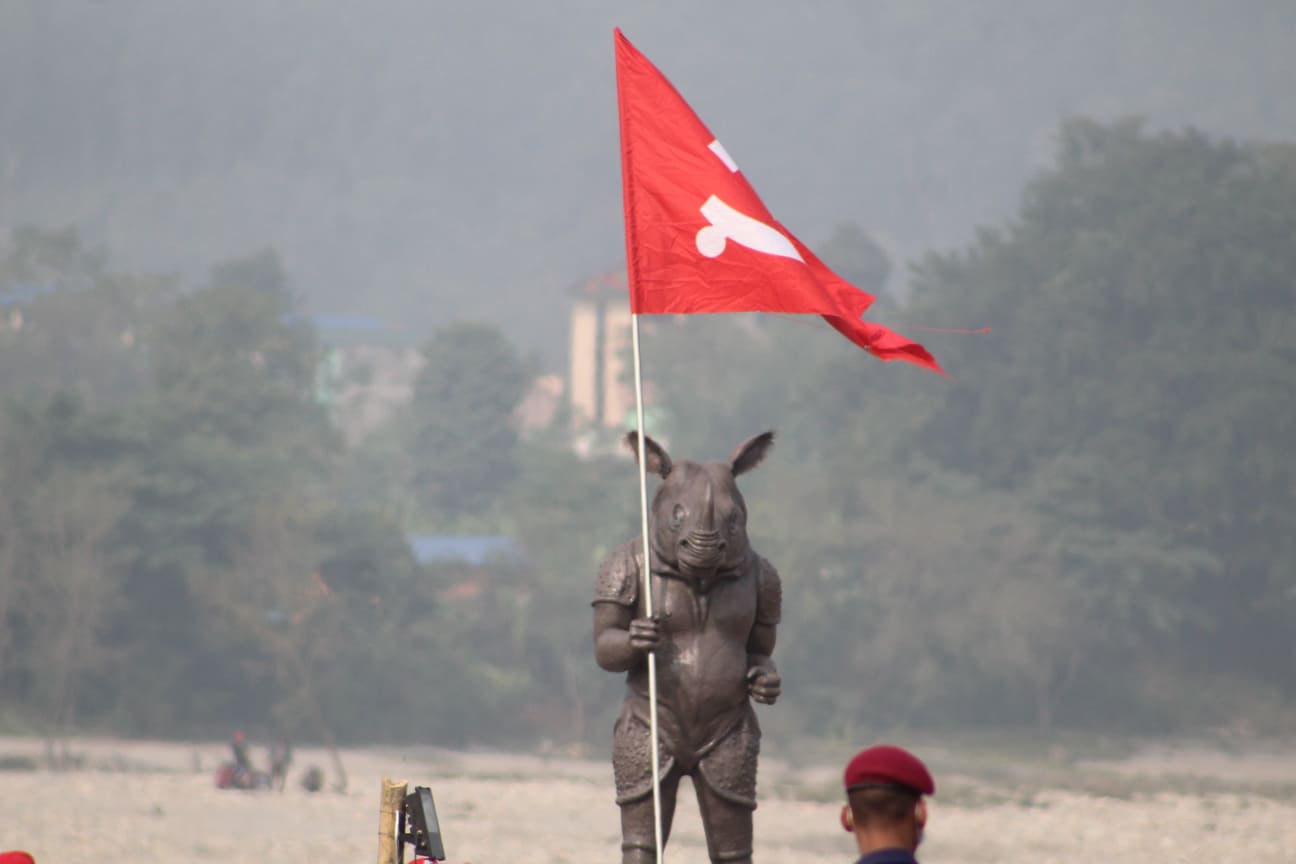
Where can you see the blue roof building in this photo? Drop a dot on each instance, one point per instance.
(475, 549)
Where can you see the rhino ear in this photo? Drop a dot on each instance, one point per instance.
(657, 460)
(749, 454)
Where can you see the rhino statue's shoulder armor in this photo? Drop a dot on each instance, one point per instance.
(618, 577)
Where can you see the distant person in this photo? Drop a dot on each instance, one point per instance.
(239, 748)
(280, 759)
(884, 807)
(312, 779)
(238, 773)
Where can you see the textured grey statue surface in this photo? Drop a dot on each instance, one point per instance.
(716, 607)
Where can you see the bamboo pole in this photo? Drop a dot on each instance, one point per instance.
(393, 797)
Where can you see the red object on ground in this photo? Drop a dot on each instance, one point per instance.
(16, 857)
(698, 237)
(224, 777)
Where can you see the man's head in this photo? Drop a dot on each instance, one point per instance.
(884, 808)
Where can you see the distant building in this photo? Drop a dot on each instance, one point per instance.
(542, 404)
(366, 376)
(23, 293)
(601, 391)
(474, 549)
(365, 385)
(18, 296)
(469, 559)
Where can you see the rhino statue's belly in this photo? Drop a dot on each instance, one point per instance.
(702, 657)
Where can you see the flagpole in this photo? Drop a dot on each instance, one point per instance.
(647, 589)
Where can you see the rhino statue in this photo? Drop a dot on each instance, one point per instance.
(716, 607)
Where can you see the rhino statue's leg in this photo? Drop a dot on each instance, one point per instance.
(638, 840)
(725, 779)
(728, 826)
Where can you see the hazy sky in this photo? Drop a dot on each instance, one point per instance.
(422, 161)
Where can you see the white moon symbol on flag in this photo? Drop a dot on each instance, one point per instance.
(730, 224)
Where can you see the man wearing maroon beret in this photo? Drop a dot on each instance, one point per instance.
(885, 809)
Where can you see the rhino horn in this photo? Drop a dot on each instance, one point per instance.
(706, 523)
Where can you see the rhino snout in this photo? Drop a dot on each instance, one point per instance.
(703, 547)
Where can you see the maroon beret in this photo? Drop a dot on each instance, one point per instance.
(885, 765)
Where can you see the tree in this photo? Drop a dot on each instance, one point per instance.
(1130, 410)
(231, 423)
(73, 591)
(59, 464)
(857, 257)
(69, 323)
(11, 572)
(462, 417)
(1136, 390)
(567, 513)
(275, 604)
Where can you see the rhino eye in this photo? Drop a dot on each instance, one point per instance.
(677, 517)
(733, 522)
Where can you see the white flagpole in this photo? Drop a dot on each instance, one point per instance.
(647, 588)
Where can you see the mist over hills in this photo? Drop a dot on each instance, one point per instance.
(421, 162)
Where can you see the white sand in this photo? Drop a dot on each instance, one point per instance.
(149, 802)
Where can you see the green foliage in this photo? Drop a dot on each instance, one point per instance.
(1137, 390)
(1107, 476)
(231, 362)
(1091, 524)
(60, 567)
(73, 591)
(462, 415)
(71, 324)
(857, 257)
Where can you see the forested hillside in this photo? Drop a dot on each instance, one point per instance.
(1094, 518)
(1090, 525)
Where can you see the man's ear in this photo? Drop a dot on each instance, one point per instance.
(920, 812)
(847, 819)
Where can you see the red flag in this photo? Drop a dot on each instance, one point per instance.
(698, 238)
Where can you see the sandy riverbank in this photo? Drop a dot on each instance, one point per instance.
(143, 802)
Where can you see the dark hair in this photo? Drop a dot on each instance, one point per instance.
(886, 804)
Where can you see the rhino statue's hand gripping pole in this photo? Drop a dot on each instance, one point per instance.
(717, 606)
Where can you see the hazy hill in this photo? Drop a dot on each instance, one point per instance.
(422, 161)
